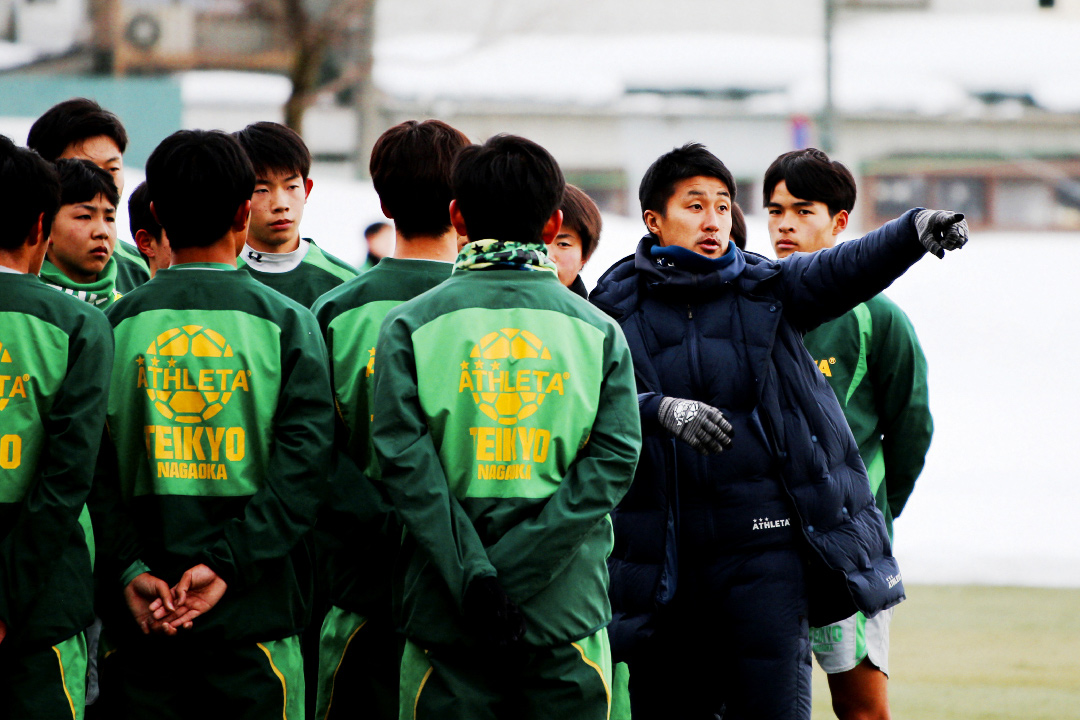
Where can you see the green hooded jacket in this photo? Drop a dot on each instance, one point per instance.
(506, 426)
(220, 419)
(361, 523)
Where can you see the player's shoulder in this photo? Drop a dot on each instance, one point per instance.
(889, 316)
(488, 289)
(354, 292)
(59, 308)
(328, 263)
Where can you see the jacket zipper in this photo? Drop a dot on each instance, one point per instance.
(695, 361)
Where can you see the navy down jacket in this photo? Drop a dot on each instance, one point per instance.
(734, 340)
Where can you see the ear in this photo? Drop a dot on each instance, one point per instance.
(37, 232)
(144, 241)
(153, 211)
(457, 219)
(652, 221)
(840, 222)
(308, 184)
(552, 227)
(240, 219)
(385, 212)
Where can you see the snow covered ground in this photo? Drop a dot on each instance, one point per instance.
(997, 501)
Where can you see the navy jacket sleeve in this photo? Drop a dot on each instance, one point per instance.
(822, 286)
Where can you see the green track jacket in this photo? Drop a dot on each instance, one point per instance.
(55, 358)
(506, 426)
(318, 273)
(360, 520)
(131, 269)
(220, 418)
(875, 365)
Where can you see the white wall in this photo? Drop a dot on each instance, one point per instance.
(53, 25)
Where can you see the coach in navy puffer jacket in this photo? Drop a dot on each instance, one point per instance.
(728, 332)
(746, 338)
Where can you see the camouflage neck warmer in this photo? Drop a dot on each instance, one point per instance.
(504, 255)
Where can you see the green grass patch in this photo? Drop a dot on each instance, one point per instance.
(980, 652)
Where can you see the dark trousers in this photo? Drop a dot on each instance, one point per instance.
(184, 677)
(359, 668)
(558, 683)
(733, 643)
(43, 683)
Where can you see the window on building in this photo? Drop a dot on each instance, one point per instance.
(894, 196)
(1023, 203)
(607, 188)
(966, 195)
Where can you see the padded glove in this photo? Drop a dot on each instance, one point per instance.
(941, 230)
(700, 426)
(491, 614)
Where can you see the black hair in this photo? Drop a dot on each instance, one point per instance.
(31, 188)
(581, 215)
(74, 121)
(507, 189)
(738, 226)
(274, 148)
(690, 160)
(139, 215)
(197, 180)
(810, 175)
(410, 168)
(373, 228)
(81, 181)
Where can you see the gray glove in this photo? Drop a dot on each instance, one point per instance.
(700, 426)
(941, 230)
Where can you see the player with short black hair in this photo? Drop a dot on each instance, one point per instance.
(275, 253)
(413, 160)
(72, 123)
(808, 173)
(220, 421)
(198, 169)
(577, 239)
(506, 430)
(56, 355)
(361, 650)
(32, 186)
(80, 128)
(379, 238)
(149, 236)
(738, 226)
(505, 186)
(80, 259)
(872, 359)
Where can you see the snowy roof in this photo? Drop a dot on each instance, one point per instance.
(896, 62)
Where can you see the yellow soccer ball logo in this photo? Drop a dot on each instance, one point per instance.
(184, 400)
(499, 393)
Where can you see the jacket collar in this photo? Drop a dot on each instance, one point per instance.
(670, 273)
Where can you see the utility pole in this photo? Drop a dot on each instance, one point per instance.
(366, 95)
(825, 138)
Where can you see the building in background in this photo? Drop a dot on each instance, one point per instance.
(965, 103)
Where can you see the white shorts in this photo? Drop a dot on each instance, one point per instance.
(841, 646)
